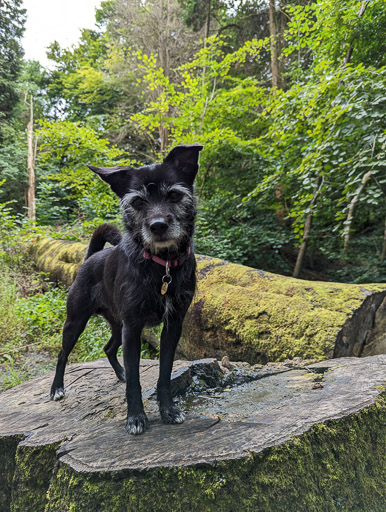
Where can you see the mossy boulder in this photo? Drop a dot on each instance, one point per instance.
(300, 440)
(255, 316)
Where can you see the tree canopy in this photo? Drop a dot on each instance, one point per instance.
(287, 98)
(12, 19)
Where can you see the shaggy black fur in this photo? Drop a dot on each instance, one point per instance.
(104, 233)
(122, 285)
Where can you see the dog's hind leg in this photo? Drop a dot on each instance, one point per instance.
(170, 336)
(73, 328)
(111, 350)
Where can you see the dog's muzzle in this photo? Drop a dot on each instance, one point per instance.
(158, 226)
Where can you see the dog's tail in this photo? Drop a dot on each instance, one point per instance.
(102, 234)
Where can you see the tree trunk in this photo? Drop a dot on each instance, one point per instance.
(351, 48)
(276, 78)
(251, 315)
(31, 203)
(352, 209)
(164, 56)
(307, 230)
(207, 19)
(167, 49)
(164, 137)
(206, 35)
(383, 253)
(282, 24)
(234, 452)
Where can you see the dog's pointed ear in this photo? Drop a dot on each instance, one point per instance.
(185, 160)
(118, 177)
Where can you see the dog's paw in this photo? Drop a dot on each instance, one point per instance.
(121, 375)
(57, 394)
(136, 424)
(172, 414)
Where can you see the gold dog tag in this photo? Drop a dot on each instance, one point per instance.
(166, 280)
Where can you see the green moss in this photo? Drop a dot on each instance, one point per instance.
(256, 316)
(60, 258)
(336, 466)
(247, 314)
(34, 467)
(8, 447)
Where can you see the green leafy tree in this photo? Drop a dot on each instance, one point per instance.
(12, 20)
(206, 101)
(324, 136)
(299, 154)
(210, 104)
(66, 189)
(81, 78)
(97, 82)
(338, 31)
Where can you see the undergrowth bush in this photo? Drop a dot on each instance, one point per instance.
(36, 322)
(34, 309)
(12, 326)
(239, 232)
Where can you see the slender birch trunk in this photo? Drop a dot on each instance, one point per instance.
(274, 45)
(307, 230)
(352, 209)
(31, 202)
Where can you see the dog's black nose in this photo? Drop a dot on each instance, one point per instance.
(158, 226)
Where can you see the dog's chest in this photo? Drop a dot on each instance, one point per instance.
(138, 292)
(156, 312)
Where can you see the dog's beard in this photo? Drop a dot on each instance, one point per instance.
(170, 242)
(169, 246)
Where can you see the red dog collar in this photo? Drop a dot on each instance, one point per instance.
(171, 263)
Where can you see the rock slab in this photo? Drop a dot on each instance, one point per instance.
(296, 439)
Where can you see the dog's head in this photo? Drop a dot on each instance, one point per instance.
(158, 202)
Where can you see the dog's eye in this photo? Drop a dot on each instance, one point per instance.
(175, 196)
(138, 203)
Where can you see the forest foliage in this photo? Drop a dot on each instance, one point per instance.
(287, 98)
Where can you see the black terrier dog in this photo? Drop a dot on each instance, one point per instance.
(147, 277)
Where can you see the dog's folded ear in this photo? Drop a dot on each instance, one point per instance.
(185, 159)
(118, 177)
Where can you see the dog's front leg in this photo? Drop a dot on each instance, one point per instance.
(131, 344)
(170, 336)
